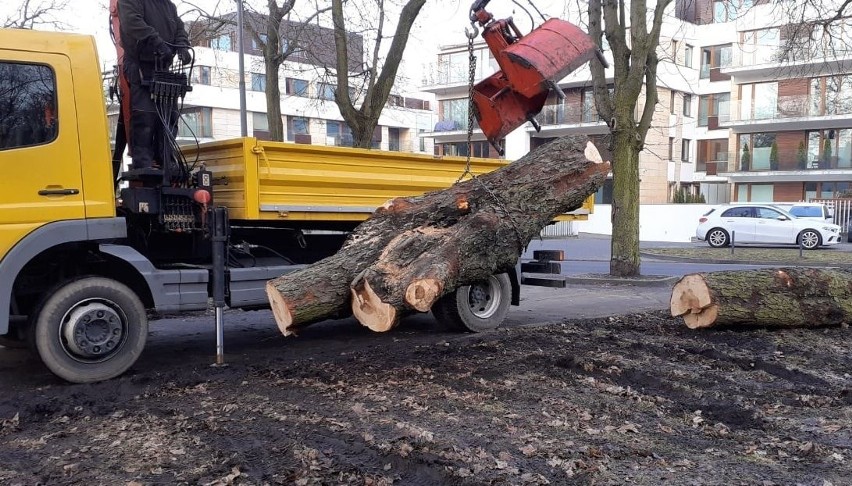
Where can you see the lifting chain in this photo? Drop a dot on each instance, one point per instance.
(471, 35)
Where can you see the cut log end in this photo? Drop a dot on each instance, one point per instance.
(691, 300)
(280, 310)
(592, 153)
(702, 319)
(421, 294)
(370, 311)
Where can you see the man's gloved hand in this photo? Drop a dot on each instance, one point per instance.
(161, 49)
(184, 55)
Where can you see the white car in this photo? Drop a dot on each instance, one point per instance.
(763, 223)
(803, 210)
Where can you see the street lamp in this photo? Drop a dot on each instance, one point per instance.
(242, 70)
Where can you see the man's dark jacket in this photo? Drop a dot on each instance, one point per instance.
(146, 25)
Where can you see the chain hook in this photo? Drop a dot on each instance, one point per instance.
(472, 32)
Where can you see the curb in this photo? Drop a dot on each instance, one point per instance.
(641, 281)
(741, 262)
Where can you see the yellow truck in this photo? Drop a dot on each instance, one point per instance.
(81, 270)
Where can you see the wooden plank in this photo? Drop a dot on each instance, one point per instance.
(544, 281)
(549, 255)
(541, 267)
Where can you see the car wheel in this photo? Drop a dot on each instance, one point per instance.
(809, 239)
(478, 307)
(90, 329)
(717, 238)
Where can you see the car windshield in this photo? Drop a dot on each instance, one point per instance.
(806, 211)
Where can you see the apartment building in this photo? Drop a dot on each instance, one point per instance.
(212, 110)
(738, 118)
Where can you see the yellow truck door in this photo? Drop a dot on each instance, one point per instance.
(39, 146)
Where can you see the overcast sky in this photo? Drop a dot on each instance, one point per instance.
(441, 22)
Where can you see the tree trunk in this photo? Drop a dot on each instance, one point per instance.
(273, 102)
(624, 256)
(772, 297)
(414, 250)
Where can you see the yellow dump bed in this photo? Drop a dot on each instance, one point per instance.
(294, 182)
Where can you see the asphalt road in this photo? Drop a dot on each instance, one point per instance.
(191, 338)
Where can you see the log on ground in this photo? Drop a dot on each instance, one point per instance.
(425, 246)
(772, 297)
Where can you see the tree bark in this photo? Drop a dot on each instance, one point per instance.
(414, 250)
(776, 297)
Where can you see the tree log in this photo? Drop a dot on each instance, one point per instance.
(414, 250)
(772, 297)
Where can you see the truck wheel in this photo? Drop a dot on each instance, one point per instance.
(478, 307)
(90, 329)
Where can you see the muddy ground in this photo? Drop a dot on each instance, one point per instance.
(637, 399)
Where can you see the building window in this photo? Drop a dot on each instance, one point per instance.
(687, 104)
(687, 56)
(222, 42)
(604, 193)
(338, 133)
(325, 91)
(260, 125)
(201, 75)
(28, 92)
(296, 87)
(729, 10)
(759, 151)
(674, 50)
(672, 95)
(712, 156)
(684, 150)
(422, 139)
(453, 115)
(713, 109)
(393, 139)
(258, 45)
(671, 148)
(258, 82)
(196, 122)
(297, 126)
(479, 149)
(714, 57)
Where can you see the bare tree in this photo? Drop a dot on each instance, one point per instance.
(380, 72)
(815, 28)
(278, 37)
(635, 64)
(36, 13)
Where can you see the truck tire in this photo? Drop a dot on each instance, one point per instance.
(477, 307)
(90, 329)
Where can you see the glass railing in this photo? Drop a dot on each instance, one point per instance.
(567, 115)
(793, 106)
(751, 55)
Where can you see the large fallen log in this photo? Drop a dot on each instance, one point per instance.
(776, 297)
(414, 250)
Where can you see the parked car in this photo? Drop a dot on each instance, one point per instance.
(763, 223)
(803, 210)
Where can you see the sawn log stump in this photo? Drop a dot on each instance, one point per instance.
(413, 250)
(772, 297)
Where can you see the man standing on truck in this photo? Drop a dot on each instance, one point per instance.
(151, 33)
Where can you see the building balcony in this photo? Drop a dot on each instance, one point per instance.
(796, 112)
(806, 175)
(755, 63)
(559, 120)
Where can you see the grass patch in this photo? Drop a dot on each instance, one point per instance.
(829, 256)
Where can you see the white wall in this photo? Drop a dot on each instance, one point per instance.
(657, 222)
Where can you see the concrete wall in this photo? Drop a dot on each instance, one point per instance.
(657, 222)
